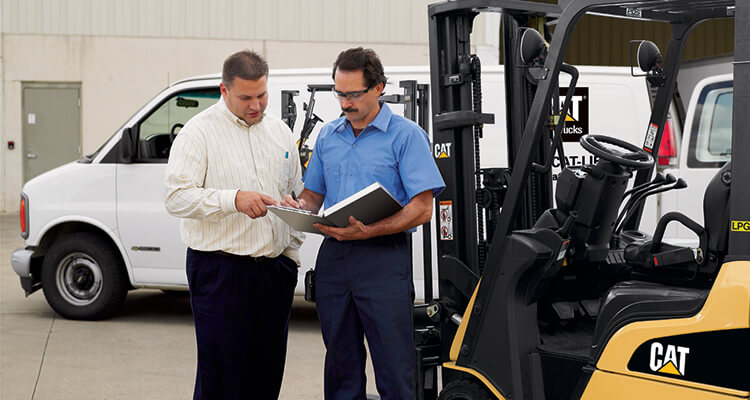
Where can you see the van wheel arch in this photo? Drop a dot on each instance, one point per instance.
(68, 228)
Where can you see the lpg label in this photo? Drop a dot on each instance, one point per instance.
(740, 226)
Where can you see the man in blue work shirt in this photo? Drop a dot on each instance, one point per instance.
(364, 283)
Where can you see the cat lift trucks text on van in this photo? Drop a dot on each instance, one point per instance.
(568, 299)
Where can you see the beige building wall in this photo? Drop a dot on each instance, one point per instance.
(123, 52)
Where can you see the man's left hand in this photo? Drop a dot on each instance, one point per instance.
(355, 231)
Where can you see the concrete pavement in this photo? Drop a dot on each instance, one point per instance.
(147, 351)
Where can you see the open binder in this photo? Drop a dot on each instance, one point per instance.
(369, 205)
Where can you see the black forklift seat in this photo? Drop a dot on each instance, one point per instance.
(633, 301)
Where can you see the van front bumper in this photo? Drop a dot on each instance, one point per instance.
(20, 260)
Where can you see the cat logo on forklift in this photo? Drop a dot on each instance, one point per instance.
(577, 119)
(717, 358)
(668, 359)
(443, 150)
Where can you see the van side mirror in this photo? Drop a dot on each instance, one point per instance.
(649, 60)
(127, 146)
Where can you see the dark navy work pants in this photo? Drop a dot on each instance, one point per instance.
(241, 310)
(365, 288)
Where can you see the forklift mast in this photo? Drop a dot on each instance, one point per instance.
(462, 240)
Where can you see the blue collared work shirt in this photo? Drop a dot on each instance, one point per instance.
(391, 150)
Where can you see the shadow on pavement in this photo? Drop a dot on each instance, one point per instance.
(155, 305)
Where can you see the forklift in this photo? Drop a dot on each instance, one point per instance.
(542, 299)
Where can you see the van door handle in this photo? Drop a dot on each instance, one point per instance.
(31, 155)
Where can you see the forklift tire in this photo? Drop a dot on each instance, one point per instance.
(465, 390)
(83, 277)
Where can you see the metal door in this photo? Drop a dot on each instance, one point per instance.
(51, 126)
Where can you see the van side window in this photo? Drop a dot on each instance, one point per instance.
(720, 132)
(157, 130)
(711, 140)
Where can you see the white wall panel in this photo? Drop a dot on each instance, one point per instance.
(288, 20)
(375, 12)
(311, 20)
(382, 21)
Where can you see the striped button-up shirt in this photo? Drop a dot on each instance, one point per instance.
(215, 155)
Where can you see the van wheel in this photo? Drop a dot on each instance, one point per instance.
(464, 390)
(83, 277)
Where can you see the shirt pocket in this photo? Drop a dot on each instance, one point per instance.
(282, 169)
(381, 171)
(331, 179)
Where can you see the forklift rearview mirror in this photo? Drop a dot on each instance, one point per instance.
(533, 47)
(649, 56)
(649, 60)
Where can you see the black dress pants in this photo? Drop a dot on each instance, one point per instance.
(241, 311)
(364, 289)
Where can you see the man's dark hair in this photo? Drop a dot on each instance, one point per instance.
(359, 59)
(245, 64)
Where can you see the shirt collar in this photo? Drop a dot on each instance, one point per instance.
(380, 122)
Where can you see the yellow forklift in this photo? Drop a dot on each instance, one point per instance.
(543, 299)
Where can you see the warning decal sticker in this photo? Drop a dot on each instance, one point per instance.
(648, 145)
(446, 220)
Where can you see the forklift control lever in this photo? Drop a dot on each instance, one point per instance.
(636, 192)
(679, 184)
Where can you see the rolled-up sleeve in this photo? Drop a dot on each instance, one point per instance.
(186, 171)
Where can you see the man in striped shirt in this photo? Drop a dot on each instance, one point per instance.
(225, 166)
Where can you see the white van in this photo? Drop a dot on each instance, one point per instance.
(97, 227)
(706, 147)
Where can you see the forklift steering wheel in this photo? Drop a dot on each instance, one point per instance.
(173, 132)
(634, 157)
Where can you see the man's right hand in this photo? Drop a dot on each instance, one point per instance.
(288, 201)
(253, 203)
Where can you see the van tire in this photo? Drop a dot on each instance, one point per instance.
(83, 277)
(465, 390)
